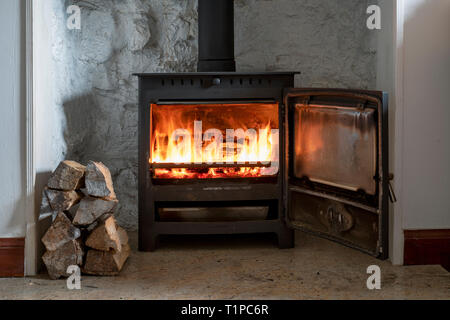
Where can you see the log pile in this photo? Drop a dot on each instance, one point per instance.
(84, 231)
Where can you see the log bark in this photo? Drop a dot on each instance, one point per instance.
(68, 176)
(98, 181)
(58, 260)
(45, 210)
(97, 222)
(62, 200)
(72, 211)
(60, 232)
(91, 209)
(106, 263)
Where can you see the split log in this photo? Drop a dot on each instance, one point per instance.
(45, 210)
(68, 176)
(92, 226)
(106, 263)
(123, 236)
(57, 261)
(93, 208)
(84, 192)
(60, 232)
(62, 200)
(97, 222)
(98, 181)
(105, 237)
(72, 211)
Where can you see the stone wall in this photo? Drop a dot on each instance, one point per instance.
(324, 39)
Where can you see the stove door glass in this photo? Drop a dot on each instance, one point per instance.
(336, 146)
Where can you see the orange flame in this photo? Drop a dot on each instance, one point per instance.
(215, 134)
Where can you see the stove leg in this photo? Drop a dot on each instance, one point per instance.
(149, 243)
(286, 239)
(153, 242)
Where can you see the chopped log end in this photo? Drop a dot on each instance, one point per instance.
(123, 236)
(60, 232)
(105, 237)
(62, 200)
(68, 176)
(58, 260)
(98, 181)
(91, 209)
(45, 210)
(106, 263)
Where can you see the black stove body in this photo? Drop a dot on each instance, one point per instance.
(196, 88)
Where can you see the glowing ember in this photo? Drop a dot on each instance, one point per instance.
(211, 173)
(232, 134)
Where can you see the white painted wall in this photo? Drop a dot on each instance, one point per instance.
(50, 119)
(12, 119)
(414, 67)
(426, 115)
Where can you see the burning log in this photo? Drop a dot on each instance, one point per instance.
(241, 143)
(201, 166)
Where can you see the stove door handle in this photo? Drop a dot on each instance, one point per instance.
(392, 196)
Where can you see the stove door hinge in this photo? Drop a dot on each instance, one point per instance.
(392, 195)
(391, 192)
(380, 248)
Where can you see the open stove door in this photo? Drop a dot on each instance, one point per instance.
(336, 175)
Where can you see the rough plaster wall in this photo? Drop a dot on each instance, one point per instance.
(325, 39)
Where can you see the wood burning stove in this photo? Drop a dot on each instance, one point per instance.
(223, 152)
(241, 177)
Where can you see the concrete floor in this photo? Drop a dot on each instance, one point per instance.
(243, 267)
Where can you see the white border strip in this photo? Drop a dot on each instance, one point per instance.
(398, 239)
(30, 216)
